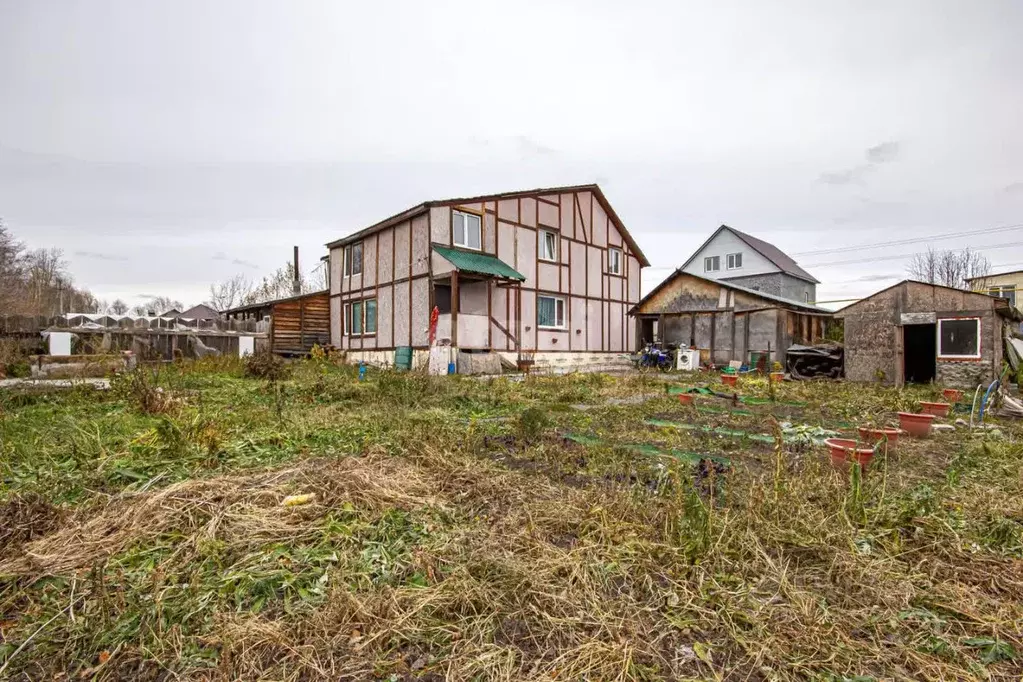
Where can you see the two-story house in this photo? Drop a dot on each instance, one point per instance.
(1005, 285)
(736, 257)
(548, 273)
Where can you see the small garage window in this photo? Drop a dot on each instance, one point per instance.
(959, 338)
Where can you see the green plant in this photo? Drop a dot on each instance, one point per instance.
(532, 424)
(267, 366)
(140, 387)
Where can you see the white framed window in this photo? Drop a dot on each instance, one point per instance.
(353, 259)
(548, 245)
(550, 312)
(1007, 291)
(360, 317)
(959, 338)
(712, 263)
(466, 230)
(733, 261)
(806, 296)
(614, 261)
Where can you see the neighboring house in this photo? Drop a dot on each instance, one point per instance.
(296, 323)
(914, 332)
(173, 312)
(547, 273)
(726, 321)
(200, 312)
(733, 256)
(1005, 285)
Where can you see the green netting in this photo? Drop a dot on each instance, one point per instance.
(648, 449)
(720, 431)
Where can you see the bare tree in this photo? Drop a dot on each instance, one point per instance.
(230, 293)
(162, 304)
(118, 307)
(319, 278)
(279, 284)
(949, 268)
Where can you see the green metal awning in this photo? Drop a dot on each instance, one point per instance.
(478, 263)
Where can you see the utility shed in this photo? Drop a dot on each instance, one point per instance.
(725, 321)
(914, 332)
(297, 323)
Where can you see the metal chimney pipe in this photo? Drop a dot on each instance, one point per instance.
(296, 285)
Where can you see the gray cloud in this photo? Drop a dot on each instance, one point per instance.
(99, 256)
(530, 147)
(848, 176)
(1014, 188)
(877, 278)
(883, 153)
(879, 154)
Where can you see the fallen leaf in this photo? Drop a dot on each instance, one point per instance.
(104, 656)
(295, 500)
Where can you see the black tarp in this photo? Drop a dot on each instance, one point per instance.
(810, 362)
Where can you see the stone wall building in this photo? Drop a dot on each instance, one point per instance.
(724, 320)
(914, 332)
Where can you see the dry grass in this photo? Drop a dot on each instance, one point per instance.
(447, 539)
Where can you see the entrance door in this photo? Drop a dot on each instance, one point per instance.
(920, 353)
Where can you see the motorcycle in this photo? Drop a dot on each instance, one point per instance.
(654, 357)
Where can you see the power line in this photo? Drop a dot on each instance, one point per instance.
(874, 259)
(911, 240)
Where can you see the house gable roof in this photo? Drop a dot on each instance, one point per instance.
(201, 312)
(769, 251)
(1000, 305)
(994, 274)
(419, 209)
(779, 300)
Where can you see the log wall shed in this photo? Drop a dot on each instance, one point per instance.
(914, 332)
(297, 323)
(725, 321)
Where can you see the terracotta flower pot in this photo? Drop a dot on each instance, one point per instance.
(916, 425)
(875, 436)
(845, 449)
(937, 409)
(777, 377)
(952, 395)
(729, 379)
(685, 398)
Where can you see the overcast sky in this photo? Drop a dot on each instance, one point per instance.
(165, 145)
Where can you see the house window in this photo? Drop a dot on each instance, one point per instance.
(806, 296)
(959, 338)
(550, 312)
(712, 263)
(357, 318)
(361, 317)
(1008, 292)
(614, 261)
(733, 261)
(548, 245)
(465, 230)
(353, 259)
(371, 316)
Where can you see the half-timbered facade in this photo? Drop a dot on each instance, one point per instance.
(538, 272)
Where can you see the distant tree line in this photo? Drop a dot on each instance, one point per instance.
(37, 281)
(949, 268)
